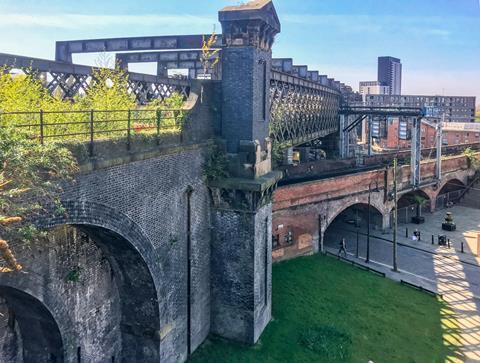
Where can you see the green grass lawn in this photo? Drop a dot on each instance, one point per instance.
(327, 311)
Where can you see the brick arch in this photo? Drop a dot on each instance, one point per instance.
(41, 340)
(339, 206)
(422, 192)
(128, 251)
(445, 182)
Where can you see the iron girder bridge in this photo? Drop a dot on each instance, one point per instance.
(301, 110)
(69, 80)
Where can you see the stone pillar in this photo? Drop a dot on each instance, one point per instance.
(386, 221)
(242, 218)
(433, 203)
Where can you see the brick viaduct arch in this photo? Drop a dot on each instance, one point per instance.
(307, 209)
(126, 248)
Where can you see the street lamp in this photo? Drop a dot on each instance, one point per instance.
(367, 259)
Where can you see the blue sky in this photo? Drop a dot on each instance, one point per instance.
(437, 40)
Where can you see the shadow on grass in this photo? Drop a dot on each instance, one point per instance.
(326, 311)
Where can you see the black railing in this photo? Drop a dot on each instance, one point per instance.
(95, 125)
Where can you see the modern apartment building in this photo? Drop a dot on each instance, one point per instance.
(456, 108)
(373, 88)
(390, 74)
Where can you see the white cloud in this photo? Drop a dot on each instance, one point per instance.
(78, 21)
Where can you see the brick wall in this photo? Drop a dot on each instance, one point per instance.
(135, 215)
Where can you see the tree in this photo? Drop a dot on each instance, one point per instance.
(419, 202)
(472, 159)
(108, 90)
(31, 178)
(209, 59)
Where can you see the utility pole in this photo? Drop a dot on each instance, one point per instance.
(369, 118)
(367, 259)
(395, 267)
(439, 147)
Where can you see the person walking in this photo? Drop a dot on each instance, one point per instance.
(343, 248)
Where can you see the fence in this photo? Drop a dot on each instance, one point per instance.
(405, 214)
(444, 200)
(95, 125)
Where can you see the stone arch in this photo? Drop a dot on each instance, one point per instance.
(131, 257)
(456, 183)
(41, 340)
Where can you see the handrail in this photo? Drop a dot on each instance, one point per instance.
(87, 124)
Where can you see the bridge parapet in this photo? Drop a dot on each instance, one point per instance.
(72, 79)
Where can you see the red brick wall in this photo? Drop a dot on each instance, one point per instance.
(294, 206)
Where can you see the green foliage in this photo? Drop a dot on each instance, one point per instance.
(472, 159)
(22, 92)
(419, 200)
(73, 275)
(278, 150)
(108, 91)
(216, 165)
(30, 178)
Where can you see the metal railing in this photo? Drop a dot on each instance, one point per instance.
(95, 125)
(405, 214)
(447, 199)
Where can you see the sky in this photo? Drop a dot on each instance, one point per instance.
(438, 41)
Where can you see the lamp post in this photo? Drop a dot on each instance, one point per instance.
(395, 216)
(367, 259)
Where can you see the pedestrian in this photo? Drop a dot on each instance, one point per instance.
(343, 248)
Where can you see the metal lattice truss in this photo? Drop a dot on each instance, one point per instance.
(69, 80)
(301, 110)
(146, 91)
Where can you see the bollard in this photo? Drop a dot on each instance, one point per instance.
(433, 239)
(462, 248)
(448, 242)
(406, 232)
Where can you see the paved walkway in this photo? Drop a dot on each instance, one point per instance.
(454, 275)
(468, 227)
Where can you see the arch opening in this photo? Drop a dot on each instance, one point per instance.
(98, 287)
(139, 310)
(357, 220)
(411, 207)
(449, 194)
(29, 331)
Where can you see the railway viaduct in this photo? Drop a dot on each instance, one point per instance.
(303, 211)
(147, 257)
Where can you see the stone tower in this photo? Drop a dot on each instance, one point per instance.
(241, 250)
